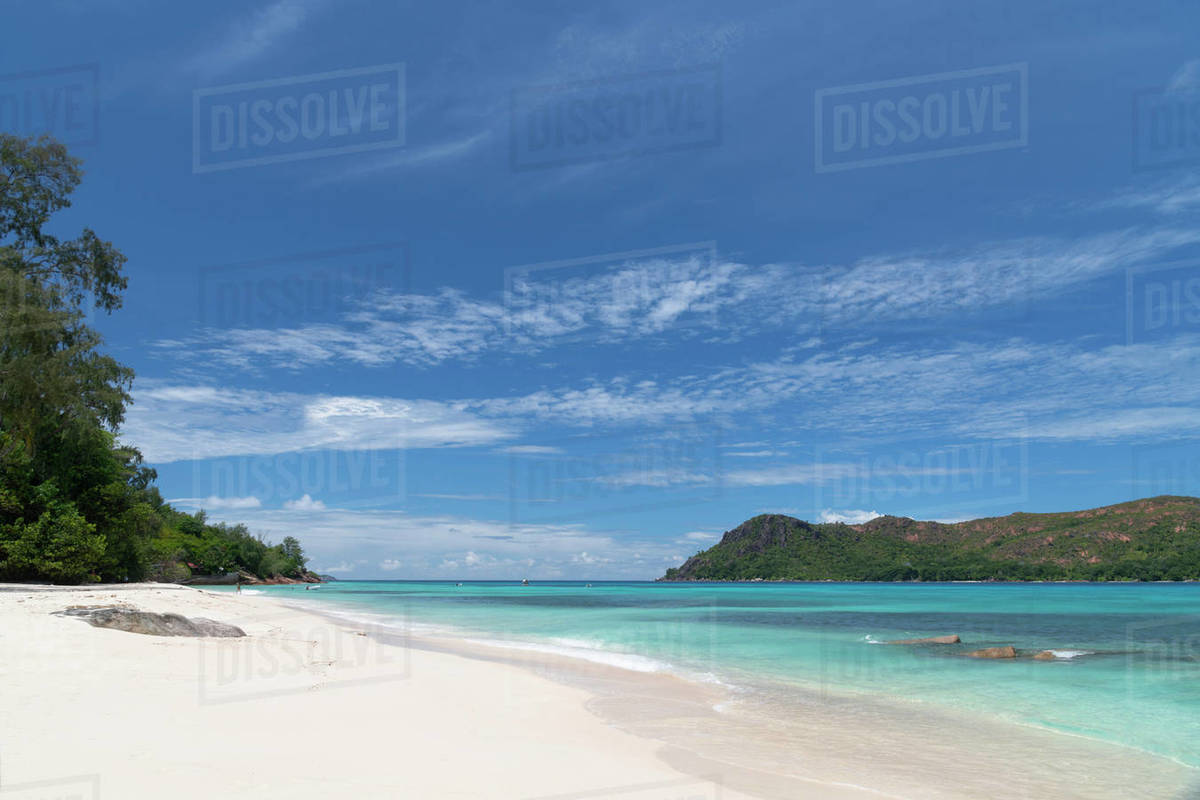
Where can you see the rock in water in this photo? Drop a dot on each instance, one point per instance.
(1007, 651)
(951, 639)
(151, 624)
(1046, 655)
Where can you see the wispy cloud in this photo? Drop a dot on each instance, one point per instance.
(849, 516)
(1186, 77)
(176, 422)
(252, 36)
(1166, 197)
(657, 297)
(215, 503)
(409, 158)
(1013, 389)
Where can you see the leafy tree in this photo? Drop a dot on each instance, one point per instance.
(51, 374)
(60, 546)
(75, 504)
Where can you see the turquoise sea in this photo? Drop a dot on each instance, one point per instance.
(1127, 668)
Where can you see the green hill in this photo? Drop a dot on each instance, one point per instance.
(1153, 539)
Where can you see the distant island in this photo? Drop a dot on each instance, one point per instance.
(1144, 540)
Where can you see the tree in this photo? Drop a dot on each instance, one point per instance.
(60, 546)
(52, 376)
(293, 552)
(75, 504)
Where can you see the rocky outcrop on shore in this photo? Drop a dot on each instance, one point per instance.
(1007, 651)
(247, 579)
(951, 639)
(150, 623)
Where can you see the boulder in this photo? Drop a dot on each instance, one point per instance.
(1007, 651)
(1045, 655)
(951, 639)
(151, 624)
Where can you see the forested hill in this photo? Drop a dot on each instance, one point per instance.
(1153, 539)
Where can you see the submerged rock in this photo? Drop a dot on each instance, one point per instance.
(1007, 651)
(951, 639)
(150, 623)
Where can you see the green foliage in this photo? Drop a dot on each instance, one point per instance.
(217, 549)
(76, 504)
(1153, 539)
(60, 546)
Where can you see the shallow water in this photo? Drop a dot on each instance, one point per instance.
(1127, 672)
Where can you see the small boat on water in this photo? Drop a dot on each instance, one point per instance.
(524, 581)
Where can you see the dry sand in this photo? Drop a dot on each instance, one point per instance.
(301, 707)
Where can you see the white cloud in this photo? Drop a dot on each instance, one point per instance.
(334, 570)
(589, 560)
(690, 294)
(392, 542)
(849, 516)
(1015, 388)
(789, 475)
(305, 503)
(175, 423)
(530, 450)
(657, 478)
(215, 503)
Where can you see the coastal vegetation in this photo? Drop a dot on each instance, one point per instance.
(1144, 540)
(76, 503)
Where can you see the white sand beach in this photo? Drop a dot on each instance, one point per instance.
(308, 705)
(301, 707)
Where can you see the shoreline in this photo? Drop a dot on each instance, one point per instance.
(299, 707)
(461, 640)
(1122, 770)
(326, 683)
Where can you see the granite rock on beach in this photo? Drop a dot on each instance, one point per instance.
(150, 623)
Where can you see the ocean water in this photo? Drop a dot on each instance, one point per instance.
(1127, 666)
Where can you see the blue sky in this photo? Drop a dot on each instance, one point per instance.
(593, 284)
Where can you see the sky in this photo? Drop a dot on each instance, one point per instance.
(463, 290)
